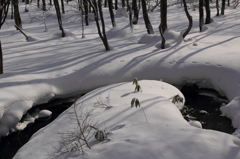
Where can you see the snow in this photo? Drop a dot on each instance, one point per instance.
(48, 66)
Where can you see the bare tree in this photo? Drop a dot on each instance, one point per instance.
(116, 4)
(208, 12)
(201, 14)
(146, 18)
(163, 10)
(85, 3)
(62, 4)
(110, 7)
(135, 12)
(189, 19)
(217, 6)
(57, 8)
(16, 13)
(102, 34)
(223, 7)
(4, 6)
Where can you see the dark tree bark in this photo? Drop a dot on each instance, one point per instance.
(163, 10)
(38, 3)
(4, 12)
(123, 3)
(135, 12)
(105, 3)
(50, 2)
(189, 19)
(223, 7)
(130, 15)
(62, 4)
(44, 5)
(3, 16)
(116, 4)
(16, 13)
(57, 8)
(102, 34)
(217, 6)
(1, 59)
(228, 3)
(85, 3)
(208, 12)
(146, 18)
(162, 36)
(201, 15)
(110, 7)
(12, 9)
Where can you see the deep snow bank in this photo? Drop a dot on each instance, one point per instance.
(166, 135)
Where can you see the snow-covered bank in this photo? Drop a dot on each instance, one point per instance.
(166, 135)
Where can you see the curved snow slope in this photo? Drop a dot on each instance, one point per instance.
(166, 135)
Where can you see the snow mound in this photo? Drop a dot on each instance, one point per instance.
(149, 38)
(116, 32)
(232, 111)
(32, 38)
(166, 134)
(195, 123)
(122, 12)
(67, 32)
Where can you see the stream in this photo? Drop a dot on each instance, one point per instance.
(199, 105)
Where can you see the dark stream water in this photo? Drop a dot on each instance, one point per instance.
(12, 143)
(212, 120)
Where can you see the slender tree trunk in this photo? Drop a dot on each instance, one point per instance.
(162, 36)
(146, 18)
(4, 12)
(110, 7)
(135, 12)
(50, 2)
(217, 6)
(189, 19)
(223, 7)
(1, 59)
(38, 3)
(12, 9)
(123, 3)
(102, 34)
(44, 4)
(130, 15)
(208, 12)
(86, 11)
(116, 4)
(16, 13)
(63, 10)
(228, 3)
(201, 15)
(163, 10)
(105, 3)
(57, 8)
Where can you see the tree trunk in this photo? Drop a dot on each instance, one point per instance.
(208, 12)
(162, 36)
(123, 3)
(102, 36)
(44, 5)
(1, 59)
(63, 10)
(228, 3)
(85, 3)
(189, 19)
(38, 3)
(4, 12)
(217, 6)
(105, 3)
(57, 8)
(130, 15)
(223, 7)
(201, 15)
(163, 10)
(110, 7)
(16, 13)
(135, 12)
(146, 18)
(116, 4)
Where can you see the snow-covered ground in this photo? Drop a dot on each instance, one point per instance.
(48, 66)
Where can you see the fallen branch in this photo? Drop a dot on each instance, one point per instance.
(21, 31)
